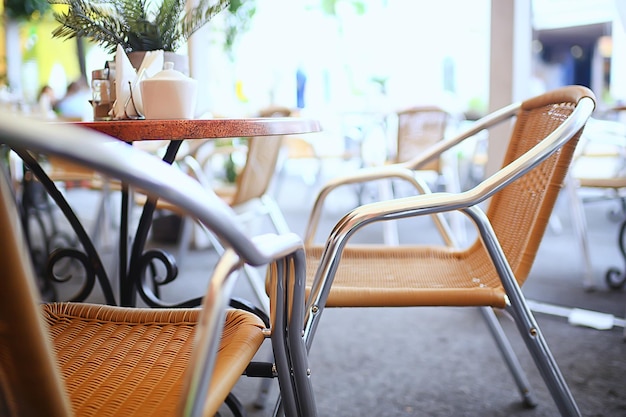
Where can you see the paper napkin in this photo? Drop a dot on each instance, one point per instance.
(127, 79)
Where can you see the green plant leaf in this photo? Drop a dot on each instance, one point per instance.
(134, 24)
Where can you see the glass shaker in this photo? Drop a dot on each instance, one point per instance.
(101, 94)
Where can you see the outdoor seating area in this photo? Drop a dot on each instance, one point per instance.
(209, 223)
(300, 286)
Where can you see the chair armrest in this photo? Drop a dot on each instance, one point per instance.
(196, 160)
(275, 246)
(405, 170)
(363, 175)
(204, 157)
(444, 202)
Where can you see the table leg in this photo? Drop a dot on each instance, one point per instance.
(616, 278)
(131, 275)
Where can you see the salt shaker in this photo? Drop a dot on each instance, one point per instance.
(101, 94)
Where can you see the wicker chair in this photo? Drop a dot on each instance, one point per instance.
(82, 359)
(249, 196)
(600, 166)
(487, 273)
(418, 128)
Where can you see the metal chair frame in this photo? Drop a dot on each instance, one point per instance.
(336, 248)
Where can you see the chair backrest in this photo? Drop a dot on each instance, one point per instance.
(419, 128)
(262, 157)
(258, 171)
(30, 382)
(520, 212)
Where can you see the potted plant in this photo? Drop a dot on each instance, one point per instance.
(136, 25)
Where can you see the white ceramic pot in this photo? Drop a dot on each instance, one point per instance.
(169, 94)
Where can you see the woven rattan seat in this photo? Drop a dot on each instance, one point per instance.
(366, 279)
(144, 368)
(486, 273)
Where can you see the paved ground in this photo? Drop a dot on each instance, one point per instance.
(442, 361)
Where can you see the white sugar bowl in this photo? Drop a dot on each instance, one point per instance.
(169, 94)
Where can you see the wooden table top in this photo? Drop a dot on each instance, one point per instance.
(136, 130)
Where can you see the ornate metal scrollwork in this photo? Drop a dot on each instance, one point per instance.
(66, 265)
(78, 262)
(616, 278)
(149, 282)
(93, 264)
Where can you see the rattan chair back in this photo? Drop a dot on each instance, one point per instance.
(419, 128)
(257, 174)
(520, 212)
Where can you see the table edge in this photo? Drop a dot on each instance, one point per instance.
(135, 130)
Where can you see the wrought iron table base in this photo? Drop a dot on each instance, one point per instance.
(136, 268)
(616, 278)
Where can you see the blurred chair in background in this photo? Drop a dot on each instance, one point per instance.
(599, 174)
(248, 167)
(417, 129)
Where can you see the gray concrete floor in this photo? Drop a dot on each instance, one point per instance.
(442, 361)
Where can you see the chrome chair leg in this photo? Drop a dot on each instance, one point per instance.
(539, 350)
(524, 319)
(495, 328)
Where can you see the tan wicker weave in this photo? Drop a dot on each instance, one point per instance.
(124, 362)
(255, 178)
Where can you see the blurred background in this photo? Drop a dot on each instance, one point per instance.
(351, 55)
